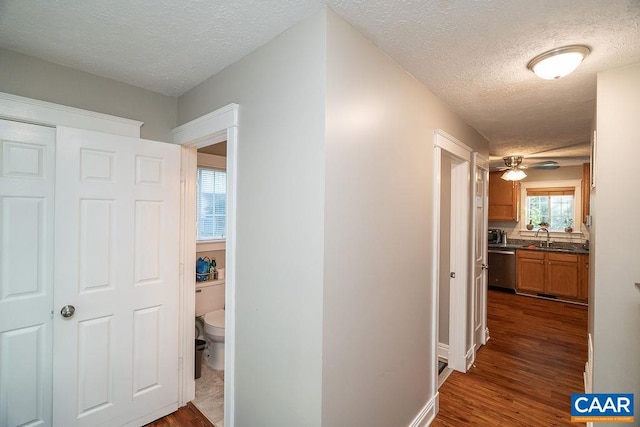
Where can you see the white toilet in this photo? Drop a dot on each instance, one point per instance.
(210, 311)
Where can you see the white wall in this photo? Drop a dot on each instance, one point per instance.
(280, 89)
(378, 343)
(38, 79)
(615, 252)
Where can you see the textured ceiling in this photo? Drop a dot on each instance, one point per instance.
(472, 54)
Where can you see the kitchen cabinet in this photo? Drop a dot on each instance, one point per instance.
(559, 274)
(586, 191)
(583, 278)
(503, 198)
(530, 271)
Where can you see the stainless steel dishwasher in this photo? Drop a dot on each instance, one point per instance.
(502, 269)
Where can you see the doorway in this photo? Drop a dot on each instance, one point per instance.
(452, 227)
(210, 280)
(209, 130)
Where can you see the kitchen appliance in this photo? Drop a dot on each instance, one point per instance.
(502, 269)
(495, 235)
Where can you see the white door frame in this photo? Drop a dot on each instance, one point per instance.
(215, 127)
(460, 248)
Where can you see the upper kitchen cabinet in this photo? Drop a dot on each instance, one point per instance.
(503, 198)
(586, 191)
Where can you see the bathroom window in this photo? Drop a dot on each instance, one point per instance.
(211, 204)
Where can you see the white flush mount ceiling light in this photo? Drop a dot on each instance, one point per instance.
(558, 62)
(515, 172)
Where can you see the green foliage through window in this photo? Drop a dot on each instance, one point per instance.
(554, 207)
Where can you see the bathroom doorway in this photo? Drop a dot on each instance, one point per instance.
(214, 130)
(211, 192)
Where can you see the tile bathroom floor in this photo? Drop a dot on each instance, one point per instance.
(210, 395)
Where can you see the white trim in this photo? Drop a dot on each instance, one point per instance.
(443, 351)
(446, 373)
(460, 211)
(427, 414)
(452, 145)
(215, 127)
(13, 107)
(206, 126)
(470, 357)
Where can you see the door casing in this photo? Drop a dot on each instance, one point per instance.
(459, 356)
(215, 127)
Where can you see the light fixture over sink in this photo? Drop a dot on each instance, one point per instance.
(558, 62)
(514, 171)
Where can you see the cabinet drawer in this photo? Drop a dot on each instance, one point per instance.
(523, 253)
(562, 257)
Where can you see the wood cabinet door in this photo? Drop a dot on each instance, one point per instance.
(562, 275)
(503, 198)
(583, 278)
(530, 272)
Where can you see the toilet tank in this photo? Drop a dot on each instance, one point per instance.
(210, 298)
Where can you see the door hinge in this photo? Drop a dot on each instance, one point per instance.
(452, 274)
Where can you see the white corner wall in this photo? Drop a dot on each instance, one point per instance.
(280, 90)
(615, 301)
(378, 345)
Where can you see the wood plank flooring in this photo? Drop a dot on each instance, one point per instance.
(187, 416)
(526, 373)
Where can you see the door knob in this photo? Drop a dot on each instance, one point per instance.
(67, 311)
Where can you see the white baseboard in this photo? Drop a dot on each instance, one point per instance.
(588, 368)
(443, 351)
(427, 413)
(470, 358)
(443, 376)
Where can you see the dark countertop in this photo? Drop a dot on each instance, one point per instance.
(567, 248)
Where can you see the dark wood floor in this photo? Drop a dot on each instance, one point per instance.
(187, 416)
(526, 373)
(524, 376)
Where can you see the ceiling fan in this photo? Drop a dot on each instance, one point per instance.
(514, 168)
(515, 162)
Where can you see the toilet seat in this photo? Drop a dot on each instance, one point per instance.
(214, 323)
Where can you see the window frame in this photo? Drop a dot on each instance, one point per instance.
(577, 203)
(211, 161)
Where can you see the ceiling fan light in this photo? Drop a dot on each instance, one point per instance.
(514, 175)
(558, 63)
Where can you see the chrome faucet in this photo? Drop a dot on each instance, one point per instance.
(537, 232)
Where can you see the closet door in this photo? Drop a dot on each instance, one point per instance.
(27, 161)
(116, 279)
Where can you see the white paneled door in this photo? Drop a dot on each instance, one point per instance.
(88, 277)
(116, 278)
(480, 257)
(27, 162)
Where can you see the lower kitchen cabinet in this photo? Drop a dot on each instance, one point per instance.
(559, 274)
(583, 278)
